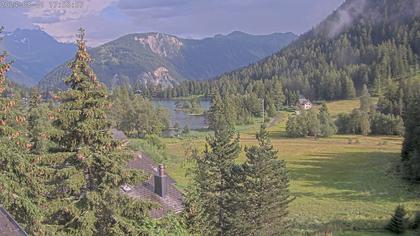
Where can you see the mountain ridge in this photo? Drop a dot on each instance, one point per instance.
(164, 59)
(362, 42)
(34, 53)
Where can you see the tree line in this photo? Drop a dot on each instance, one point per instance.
(320, 66)
(309, 123)
(369, 119)
(365, 120)
(136, 115)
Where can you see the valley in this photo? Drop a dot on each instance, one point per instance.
(165, 118)
(341, 183)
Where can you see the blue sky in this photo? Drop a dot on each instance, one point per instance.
(108, 19)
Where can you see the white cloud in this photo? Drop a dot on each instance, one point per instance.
(107, 19)
(62, 10)
(62, 18)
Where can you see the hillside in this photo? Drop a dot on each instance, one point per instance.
(166, 60)
(363, 42)
(34, 53)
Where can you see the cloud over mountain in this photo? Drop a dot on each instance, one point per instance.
(109, 19)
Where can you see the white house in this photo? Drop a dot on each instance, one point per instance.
(305, 104)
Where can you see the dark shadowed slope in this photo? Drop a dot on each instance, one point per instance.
(34, 53)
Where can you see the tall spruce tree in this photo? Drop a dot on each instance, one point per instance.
(365, 102)
(213, 176)
(365, 124)
(219, 115)
(398, 222)
(312, 122)
(265, 189)
(327, 126)
(19, 187)
(39, 125)
(85, 195)
(82, 114)
(365, 109)
(411, 145)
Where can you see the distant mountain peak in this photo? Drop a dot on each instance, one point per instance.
(31, 34)
(35, 53)
(238, 33)
(166, 60)
(161, 44)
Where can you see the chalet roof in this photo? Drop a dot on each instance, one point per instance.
(172, 202)
(303, 101)
(8, 226)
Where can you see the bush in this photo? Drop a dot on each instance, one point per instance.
(411, 167)
(155, 141)
(416, 222)
(186, 130)
(302, 124)
(398, 222)
(343, 124)
(382, 124)
(157, 152)
(295, 128)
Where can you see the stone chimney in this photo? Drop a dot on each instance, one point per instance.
(161, 185)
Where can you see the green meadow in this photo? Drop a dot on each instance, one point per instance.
(346, 184)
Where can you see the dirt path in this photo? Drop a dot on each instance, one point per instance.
(275, 120)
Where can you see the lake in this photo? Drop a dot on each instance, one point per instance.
(182, 118)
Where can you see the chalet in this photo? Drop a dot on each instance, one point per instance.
(159, 188)
(8, 226)
(304, 104)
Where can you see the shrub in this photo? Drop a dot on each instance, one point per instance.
(186, 130)
(387, 124)
(416, 222)
(342, 123)
(398, 222)
(155, 141)
(304, 123)
(411, 167)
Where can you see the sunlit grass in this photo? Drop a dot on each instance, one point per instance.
(346, 180)
(345, 106)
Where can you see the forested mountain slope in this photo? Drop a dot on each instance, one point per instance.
(363, 42)
(35, 53)
(166, 60)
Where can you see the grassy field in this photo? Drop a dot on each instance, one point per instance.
(343, 182)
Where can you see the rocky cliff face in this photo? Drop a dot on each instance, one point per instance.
(161, 44)
(160, 76)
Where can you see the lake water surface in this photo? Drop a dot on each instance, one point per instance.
(182, 118)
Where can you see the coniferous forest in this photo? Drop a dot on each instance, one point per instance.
(320, 138)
